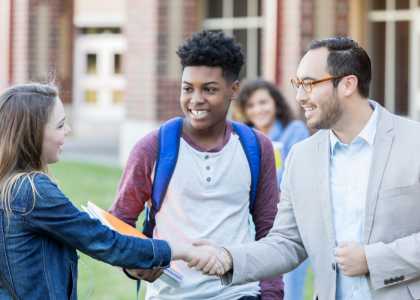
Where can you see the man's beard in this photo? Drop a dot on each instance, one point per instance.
(330, 113)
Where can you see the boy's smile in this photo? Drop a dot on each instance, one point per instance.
(199, 113)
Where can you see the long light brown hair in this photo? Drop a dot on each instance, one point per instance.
(24, 112)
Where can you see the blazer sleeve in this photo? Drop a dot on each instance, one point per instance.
(393, 260)
(280, 252)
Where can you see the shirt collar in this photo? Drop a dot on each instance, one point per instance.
(368, 133)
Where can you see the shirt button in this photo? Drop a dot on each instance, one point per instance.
(333, 266)
(208, 179)
(351, 221)
(206, 157)
(207, 168)
(351, 190)
(353, 158)
(356, 287)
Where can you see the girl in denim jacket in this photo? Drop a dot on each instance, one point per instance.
(40, 229)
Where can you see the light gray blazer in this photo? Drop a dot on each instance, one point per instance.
(304, 223)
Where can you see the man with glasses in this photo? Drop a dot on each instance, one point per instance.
(350, 194)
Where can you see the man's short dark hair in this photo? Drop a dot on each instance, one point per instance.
(211, 49)
(348, 58)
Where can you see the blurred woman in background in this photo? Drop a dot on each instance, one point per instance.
(260, 104)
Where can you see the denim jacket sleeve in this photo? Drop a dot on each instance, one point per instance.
(54, 215)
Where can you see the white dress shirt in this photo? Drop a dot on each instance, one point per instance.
(349, 172)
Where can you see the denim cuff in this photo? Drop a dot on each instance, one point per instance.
(162, 254)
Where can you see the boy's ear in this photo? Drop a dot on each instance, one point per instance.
(234, 89)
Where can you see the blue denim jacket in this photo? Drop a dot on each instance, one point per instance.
(38, 249)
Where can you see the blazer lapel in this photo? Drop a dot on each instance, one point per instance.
(381, 148)
(324, 185)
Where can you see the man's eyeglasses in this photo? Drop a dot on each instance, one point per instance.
(308, 85)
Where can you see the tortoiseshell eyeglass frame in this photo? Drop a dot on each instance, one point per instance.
(306, 84)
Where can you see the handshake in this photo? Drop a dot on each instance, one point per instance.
(203, 255)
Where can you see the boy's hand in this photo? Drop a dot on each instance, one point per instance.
(145, 274)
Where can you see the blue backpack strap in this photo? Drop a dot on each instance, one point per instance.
(252, 149)
(167, 156)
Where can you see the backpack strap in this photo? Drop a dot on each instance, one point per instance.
(252, 148)
(167, 156)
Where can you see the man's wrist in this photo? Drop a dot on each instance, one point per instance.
(231, 259)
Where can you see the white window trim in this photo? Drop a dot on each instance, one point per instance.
(229, 23)
(390, 16)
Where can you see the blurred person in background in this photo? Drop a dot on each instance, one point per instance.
(261, 105)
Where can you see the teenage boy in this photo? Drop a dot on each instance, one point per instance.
(208, 195)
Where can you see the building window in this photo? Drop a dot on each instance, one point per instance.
(118, 97)
(242, 19)
(402, 4)
(378, 4)
(214, 9)
(390, 54)
(240, 8)
(117, 64)
(378, 63)
(91, 64)
(90, 96)
(99, 30)
(402, 29)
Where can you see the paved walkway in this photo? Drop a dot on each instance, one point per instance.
(94, 151)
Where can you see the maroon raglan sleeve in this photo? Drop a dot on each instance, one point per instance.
(135, 187)
(264, 211)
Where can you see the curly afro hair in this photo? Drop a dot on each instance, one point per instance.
(213, 50)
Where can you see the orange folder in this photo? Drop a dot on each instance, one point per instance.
(123, 227)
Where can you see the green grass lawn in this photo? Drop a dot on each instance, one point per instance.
(81, 183)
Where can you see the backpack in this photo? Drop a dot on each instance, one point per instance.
(167, 156)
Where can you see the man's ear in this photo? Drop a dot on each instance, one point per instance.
(350, 85)
(234, 89)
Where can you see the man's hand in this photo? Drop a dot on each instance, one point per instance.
(145, 274)
(207, 259)
(196, 263)
(351, 259)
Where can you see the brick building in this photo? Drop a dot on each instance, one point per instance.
(274, 35)
(131, 46)
(36, 37)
